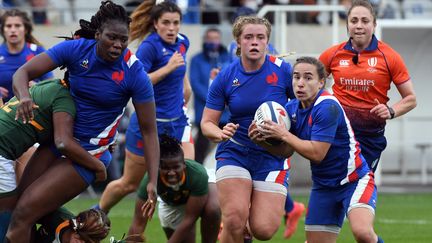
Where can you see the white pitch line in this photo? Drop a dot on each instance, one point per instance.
(398, 221)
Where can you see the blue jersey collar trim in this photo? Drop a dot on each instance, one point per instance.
(372, 46)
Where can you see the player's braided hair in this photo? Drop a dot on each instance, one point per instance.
(108, 11)
(91, 225)
(170, 147)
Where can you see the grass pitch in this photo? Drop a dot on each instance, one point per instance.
(400, 218)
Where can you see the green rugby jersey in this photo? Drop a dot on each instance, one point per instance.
(16, 137)
(53, 225)
(196, 184)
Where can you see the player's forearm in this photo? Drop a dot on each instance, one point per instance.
(308, 149)
(20, 84)
(159, 74)
(71, 149)
(283, 150)
(151, 154)
(405, 105)
(211, 131)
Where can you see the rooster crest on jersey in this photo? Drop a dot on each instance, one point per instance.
(271, 110)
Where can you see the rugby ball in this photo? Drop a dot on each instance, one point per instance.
(271, 110)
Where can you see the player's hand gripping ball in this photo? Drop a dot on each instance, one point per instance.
(271, 110)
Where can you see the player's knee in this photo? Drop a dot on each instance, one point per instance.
(128, 186)
(22, 216)
(263, 232)
(212, 211)
(364, 235)
(234, 223)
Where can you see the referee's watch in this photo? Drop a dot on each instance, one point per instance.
(392, 112)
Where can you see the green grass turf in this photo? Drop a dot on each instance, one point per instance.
(403, 218)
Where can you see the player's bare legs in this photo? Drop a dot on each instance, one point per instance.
(266, 210)
(361, 221)
(211, 217)
(234, 202)
(59, 184)
(320, 237)
(189, 151)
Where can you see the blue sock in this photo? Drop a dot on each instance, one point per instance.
(96, 206)
(5, 217)
(380, 240)
(289, 203)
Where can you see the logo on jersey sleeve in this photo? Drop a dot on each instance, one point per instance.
(117, 76)
(272, 79)
(2, 59)
(182, 49)
(29, 56)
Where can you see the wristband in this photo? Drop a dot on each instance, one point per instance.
(392, 112)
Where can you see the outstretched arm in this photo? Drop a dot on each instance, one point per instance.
(139, 223)
(146, 115)
(194, 208)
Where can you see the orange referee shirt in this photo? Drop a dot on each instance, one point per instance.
(360, 78)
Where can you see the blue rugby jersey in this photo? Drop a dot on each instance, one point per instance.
(244, 91)
(100, 89)
(154, 53)
(10, 62)
(325, 121)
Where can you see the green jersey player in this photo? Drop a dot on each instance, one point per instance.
(52, 124)
(186, 193)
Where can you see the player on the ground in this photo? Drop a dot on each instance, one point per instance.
(62, 226)
(186, 193)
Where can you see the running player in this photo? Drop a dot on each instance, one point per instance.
(19, 46)
(103, 75)
(252, 184)
(343, 183)
(363, 69)
(163, 54)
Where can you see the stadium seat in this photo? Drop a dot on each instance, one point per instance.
(417, 9)
(390, 9)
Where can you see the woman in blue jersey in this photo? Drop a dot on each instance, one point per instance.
(18, 47)
(252, 183)
(103, 76)
(163, 53)
(343, 183)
